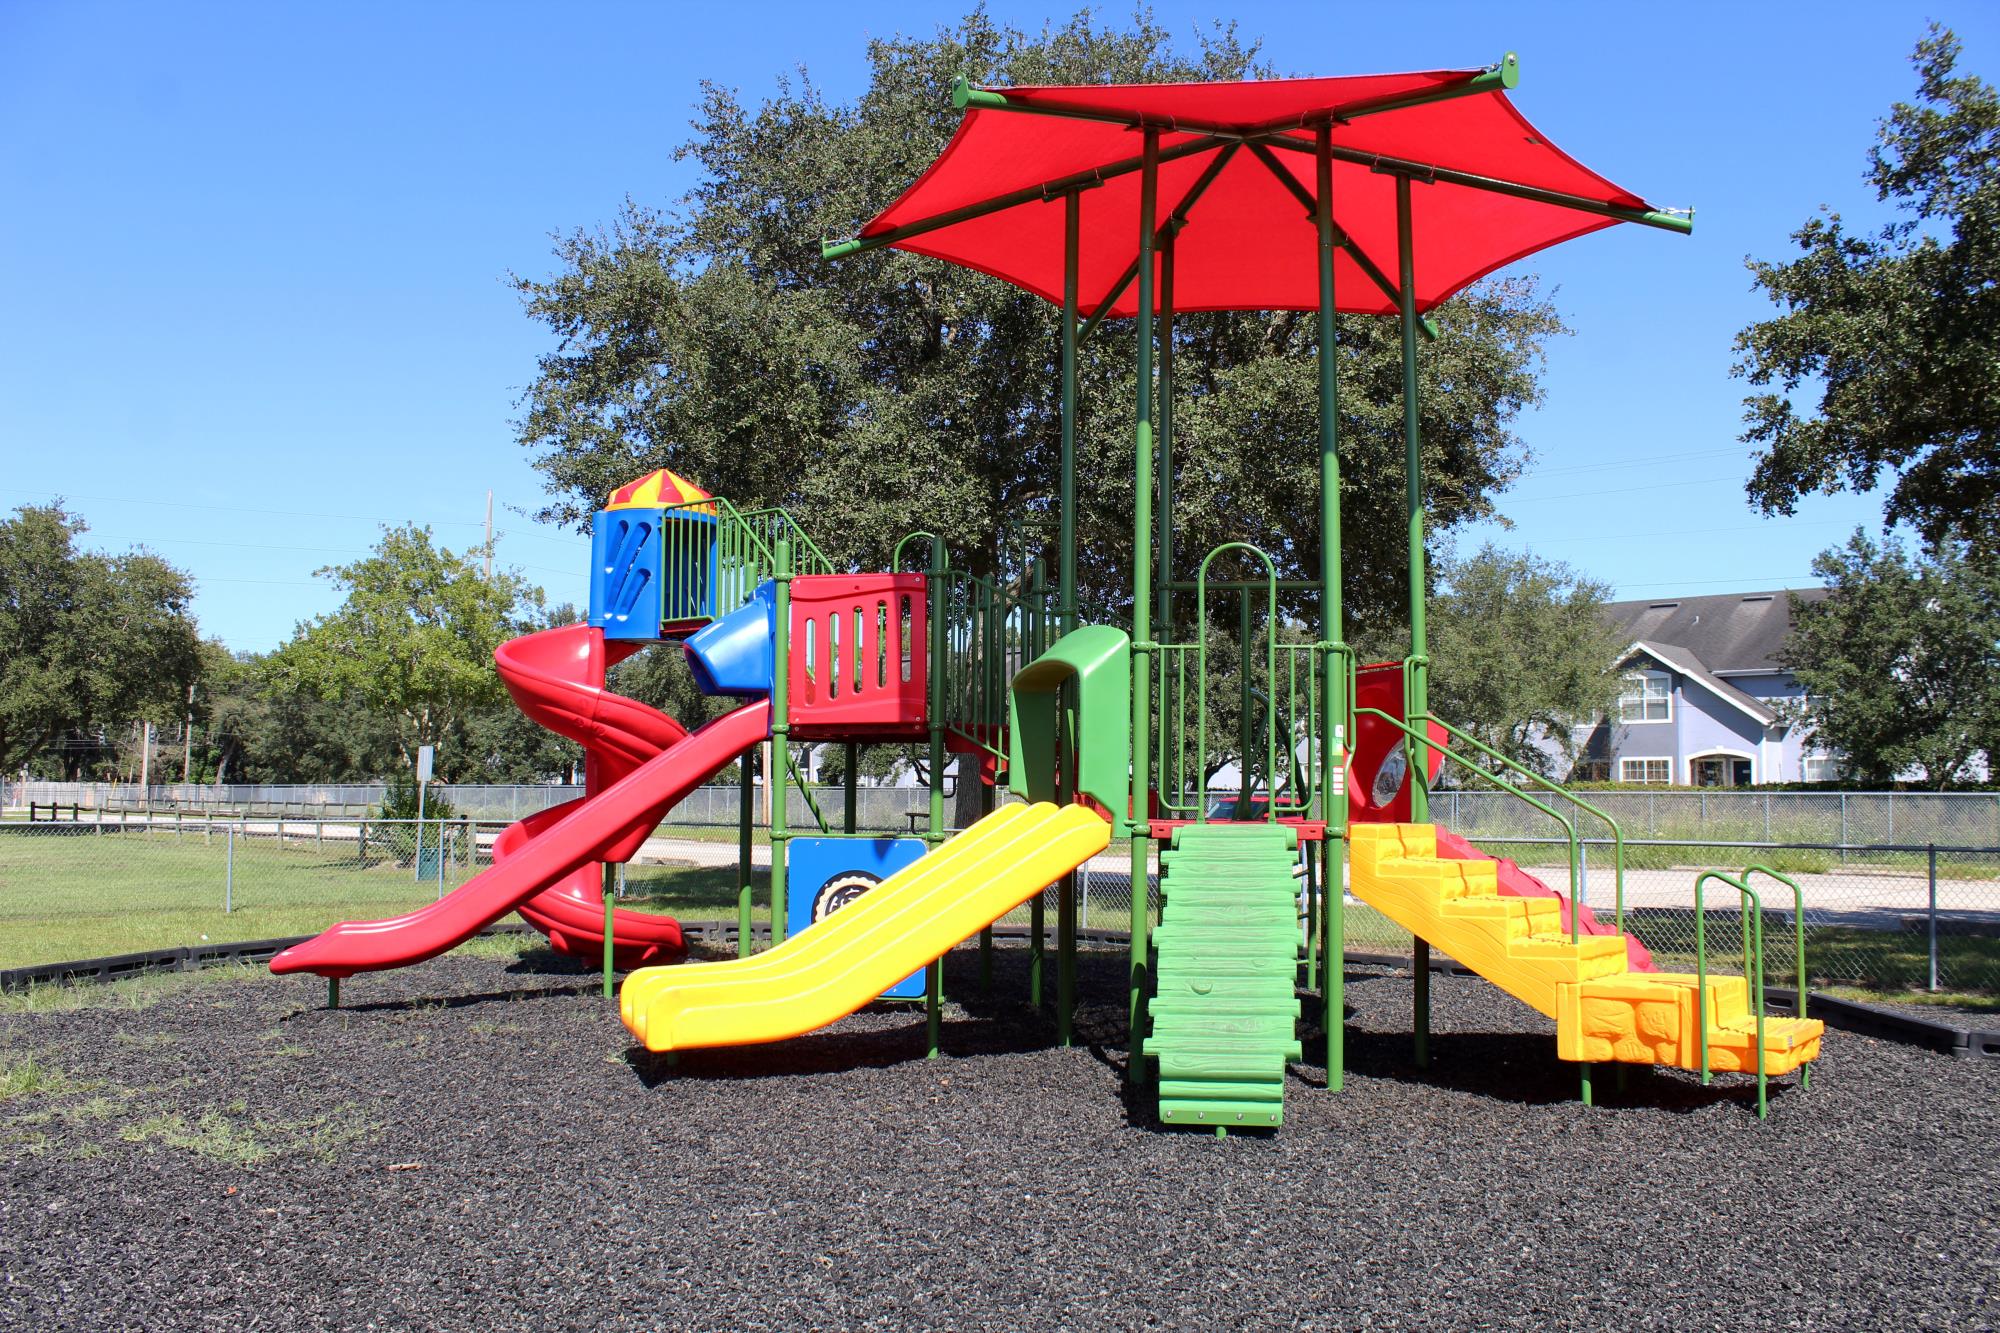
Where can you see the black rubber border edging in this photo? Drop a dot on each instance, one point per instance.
(1848, 1015)
(1872, 1020)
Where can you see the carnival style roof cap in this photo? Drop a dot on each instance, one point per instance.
(661, 489)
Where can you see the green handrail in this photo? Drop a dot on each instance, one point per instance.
(1617, 834)
(1569, 829)
(896, 557)
(1753, 972)
(1798, 944)
(1270, 675)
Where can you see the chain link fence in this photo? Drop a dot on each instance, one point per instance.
(884, 809)
(1878, 915)
(1949, 819)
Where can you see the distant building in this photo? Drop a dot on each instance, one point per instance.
(1705, 702)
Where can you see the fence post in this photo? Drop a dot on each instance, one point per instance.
(1932, 875)
(229, 873)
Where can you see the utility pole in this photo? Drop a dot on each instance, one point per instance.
(145, 762)
(489, 536)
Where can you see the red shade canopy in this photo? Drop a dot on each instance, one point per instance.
(1489, 188)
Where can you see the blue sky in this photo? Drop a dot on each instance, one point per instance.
(254, 257)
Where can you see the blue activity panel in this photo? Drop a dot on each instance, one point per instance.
(626, 573)
(651, 570)
(829, 873)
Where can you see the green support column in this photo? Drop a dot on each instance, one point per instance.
(850, 822)
(1066, 894)
(939, 605)
(610, 881)
(1416, 683)
(1165, 628)
(775, 781)
(1142, 596)
(746, 802)
(1333, 726)
(1066, 583)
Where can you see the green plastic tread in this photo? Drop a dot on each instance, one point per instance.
(1225, 1008)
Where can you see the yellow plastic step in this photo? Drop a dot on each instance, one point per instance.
(1603, 1010)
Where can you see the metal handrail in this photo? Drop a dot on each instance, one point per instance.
(1617, 834)
(1798, 944)
(1753, 972)
(1575, 917)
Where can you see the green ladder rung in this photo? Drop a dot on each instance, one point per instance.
(1222, 1115)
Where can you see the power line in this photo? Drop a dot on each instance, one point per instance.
(1629, 462)
(288, 513)
(1690, 532)
(1619, 490)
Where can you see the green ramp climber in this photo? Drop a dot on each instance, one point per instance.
(1226, 1008)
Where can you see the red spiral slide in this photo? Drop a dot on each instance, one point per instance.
(638, 764)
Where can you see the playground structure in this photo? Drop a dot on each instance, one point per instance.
(1255, 196)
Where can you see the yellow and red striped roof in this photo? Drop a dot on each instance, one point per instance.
(659, 490)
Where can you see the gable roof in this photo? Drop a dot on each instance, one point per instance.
(1678, 659)
(1725, 633)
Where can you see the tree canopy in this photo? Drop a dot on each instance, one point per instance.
(891, 391)
(414, 638)
(1523, 654)
(1900, 662)
(1897, 332)
(87, 641)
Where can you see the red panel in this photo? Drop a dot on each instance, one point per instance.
(1249, 245)
(858, 664)
(1379, 750)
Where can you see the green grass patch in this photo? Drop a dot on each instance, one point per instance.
(28, 1076)
(126, 995)
(67, 897)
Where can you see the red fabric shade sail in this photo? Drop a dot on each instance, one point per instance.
(1249, 242)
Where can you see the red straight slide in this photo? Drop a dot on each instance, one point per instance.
(640, 763)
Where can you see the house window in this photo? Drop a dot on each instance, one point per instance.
(1648, 697)
(1646, 770)
(1591, 770)
(1819, 768)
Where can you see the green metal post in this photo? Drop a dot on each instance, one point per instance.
(776, 781)
(1333, 740)
(610, 906)
(1066, 557)
(1066, 582)
(1165, 628)
(746, 799)
(1066, 894)
(939, 607)
(1038, 924)
(1417, 687)
(850, 822)
(986, 794)
(1142, 556)
(332, 992)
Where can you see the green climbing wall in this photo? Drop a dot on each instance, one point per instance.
(1225, 1008)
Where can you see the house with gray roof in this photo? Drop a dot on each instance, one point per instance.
(1705, 702)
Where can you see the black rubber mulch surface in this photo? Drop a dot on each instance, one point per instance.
(473, 1144)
